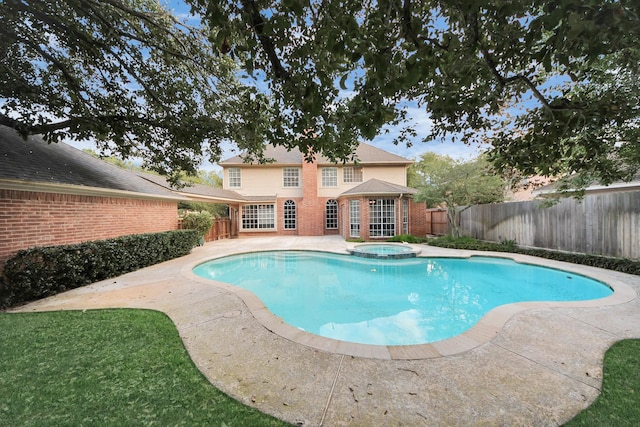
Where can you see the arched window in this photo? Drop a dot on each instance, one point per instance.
(331, 215)
(289, 215)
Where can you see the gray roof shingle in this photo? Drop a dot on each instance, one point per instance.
(378, 187)
(34, 160)
(365, 153)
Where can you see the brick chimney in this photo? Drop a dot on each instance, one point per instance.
(311, 213)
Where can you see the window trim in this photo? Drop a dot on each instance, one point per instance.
(405, 216)
(291, 177)
(259, 216)
(232, 179)
(331, 216)
(289, 215)
(352, 177)
(325, 177)
(354, 218)
(379, 224)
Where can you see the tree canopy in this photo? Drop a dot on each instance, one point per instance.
(126, 74)
(456, 184)
(552, 86)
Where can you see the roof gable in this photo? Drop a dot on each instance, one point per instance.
(365, 153)
(378, 187)
(279, 154)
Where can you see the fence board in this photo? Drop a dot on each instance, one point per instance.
(603, 224)
(437, 222)
(221, 229)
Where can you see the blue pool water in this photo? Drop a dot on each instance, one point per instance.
(392, 302)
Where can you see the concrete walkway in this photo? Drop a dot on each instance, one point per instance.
(528, 364)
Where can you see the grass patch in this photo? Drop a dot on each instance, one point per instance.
(617, 405)
(107, 367)
(129, 367)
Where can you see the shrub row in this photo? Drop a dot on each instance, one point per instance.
(618, 264)
(409, 238)
(42, 271)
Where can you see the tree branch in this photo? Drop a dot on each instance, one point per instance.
(491, 64)
(257, 23)
(94, 10)
(47, 128)
(409, 32)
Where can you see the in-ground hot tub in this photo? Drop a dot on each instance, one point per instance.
(385, 250)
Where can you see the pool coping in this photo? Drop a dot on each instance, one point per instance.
(411, 253)
(481, 333)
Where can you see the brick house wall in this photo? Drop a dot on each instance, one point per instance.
(419, 225)
(29, 219)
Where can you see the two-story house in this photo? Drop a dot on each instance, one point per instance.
(290, 196)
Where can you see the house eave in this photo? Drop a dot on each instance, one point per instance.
(79, 190)
(377, 194)
(212, 199)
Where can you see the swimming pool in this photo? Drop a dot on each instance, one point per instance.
(391, 302)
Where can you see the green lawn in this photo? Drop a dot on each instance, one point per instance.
(129, 367)
(619, 403)
(107, 367)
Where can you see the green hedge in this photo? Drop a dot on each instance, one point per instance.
(618, 264)
(407, 238)
(42, 271)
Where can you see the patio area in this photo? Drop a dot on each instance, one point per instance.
(524, 364)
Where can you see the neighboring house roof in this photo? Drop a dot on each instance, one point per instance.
(633, 185)
(378, 187)
(365, 154)
(35, 165)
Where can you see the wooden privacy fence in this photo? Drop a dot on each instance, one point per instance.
(221, 229)
(437, 223)
(603, 224)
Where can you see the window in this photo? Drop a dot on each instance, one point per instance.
(289, 215)
(329, 177)
(331, 215)
(382, 218)
(354, 218)
(291, 177)
(258, 217)
(405, 216)
(352, 174)
(235, 180)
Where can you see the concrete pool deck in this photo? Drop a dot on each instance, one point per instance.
(526, 364)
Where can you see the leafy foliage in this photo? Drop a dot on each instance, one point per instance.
(43, 271)
(551, 85)
(407, 238)
(126, 74)
(201, 222)
(443, 180)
